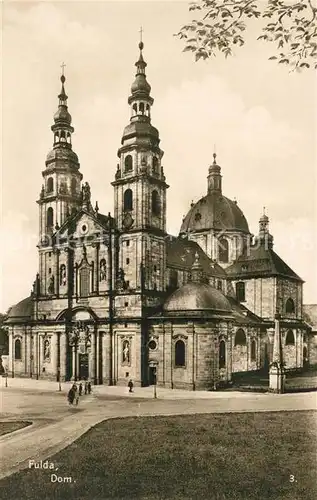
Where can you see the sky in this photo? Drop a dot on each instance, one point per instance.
(260, 118)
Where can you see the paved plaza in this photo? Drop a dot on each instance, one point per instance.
(56, 424)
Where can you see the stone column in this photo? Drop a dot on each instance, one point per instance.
(277, 372)
(74, 362)
(63, 355)
(96, 278)
(57, 252)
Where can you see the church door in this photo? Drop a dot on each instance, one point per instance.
(152, 375)
(83, 367)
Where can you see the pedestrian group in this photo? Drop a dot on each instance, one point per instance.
(76, 391)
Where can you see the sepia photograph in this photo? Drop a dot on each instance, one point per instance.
(158, 299)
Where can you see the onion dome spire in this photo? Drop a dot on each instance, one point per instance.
(214, 176)
(264, 237)
(140, 87)
(62, 127)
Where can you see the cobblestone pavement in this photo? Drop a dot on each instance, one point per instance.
(56, 424)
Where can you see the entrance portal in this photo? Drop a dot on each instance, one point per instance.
(83, 366)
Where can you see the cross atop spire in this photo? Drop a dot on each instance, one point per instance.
(141, 33)
(63, 67)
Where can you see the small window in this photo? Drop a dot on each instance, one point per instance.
(126, 304)
(127, 260)
(155, 203)
(127, 283)
(128, 163)
(240, 338)
(290, 339)
(219, 285)
(290, 306)
(17, 349)
(154, 268)
(240, 291)
(50, 254)
(141, 108)
(155, 164)
(173, 278)
(50, 217)
(73, 186)
(223, 250)
(128, 200)
(253, 350)
(50, 184)
(197, 217)
(127, 243)
(125, 325)
(222, 354)
(49, 270)
(180, 353)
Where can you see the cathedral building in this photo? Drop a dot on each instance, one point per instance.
(117, 298)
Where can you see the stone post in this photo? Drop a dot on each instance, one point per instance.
(277, 372)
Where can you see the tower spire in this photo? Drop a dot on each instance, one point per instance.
(264, 237)
(214, 176)
(62, 127)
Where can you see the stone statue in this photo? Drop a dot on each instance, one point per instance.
(103, 270)
(63, 275)
(126, 351)
(121, 284)
(47, 349)
(86, 193)
(51, 286)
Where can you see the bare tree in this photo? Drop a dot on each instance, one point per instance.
(289, 25)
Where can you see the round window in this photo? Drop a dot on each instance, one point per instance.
(84, 228)
(152, 345)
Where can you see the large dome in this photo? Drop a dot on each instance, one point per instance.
(197, 297)
(61, 153)
(217, 212)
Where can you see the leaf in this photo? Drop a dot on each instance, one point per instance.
(272, 58)
(284, 61)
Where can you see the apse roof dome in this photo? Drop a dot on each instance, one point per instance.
(140, 84)
(62, 114)
(197, 297)
(20, 312)
(214, 211)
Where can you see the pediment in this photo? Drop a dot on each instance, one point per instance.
(83, 225)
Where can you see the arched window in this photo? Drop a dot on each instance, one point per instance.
(50, 217)
(147, 110)
(155, 164)
(253, 350)
(50, 184)
(63, 136)
(84, 282)
(103, 270)
(141, 108)
(68, 138)
(240, 291)
(56, 137)
(17, 349)
(155, 203)
(173, 278)
(62, 275)
(290, 306)
(240, 338)
(219, 285)
(73, 185)
(290, 339)
(223, 250)
(135, 109)
(180, 353)
(128, 163)
(128, 200)
(305, 355)
(222, 354)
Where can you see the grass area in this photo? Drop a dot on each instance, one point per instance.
(249, 456)
(6, 427)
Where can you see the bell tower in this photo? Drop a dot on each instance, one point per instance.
(61, 191)
(140, 192)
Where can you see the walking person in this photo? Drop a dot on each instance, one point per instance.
(130, 385)
(89, 387)
(80, 389)
(71, 396)
(86, 387)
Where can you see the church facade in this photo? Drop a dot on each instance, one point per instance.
(117, 298)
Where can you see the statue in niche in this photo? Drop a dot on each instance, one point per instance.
(126, 351)
(63, 275)
(86, 193)
(51, 285)
(103, 271)
(118, 173)
(47, 350)
(63, 188)
(121, 284)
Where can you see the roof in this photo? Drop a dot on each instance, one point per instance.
(61, 153)
(181, 253)
(241, 314)
(20, 312)
(196, 297)
(261, 261)
(310, 315)
(217, 212)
